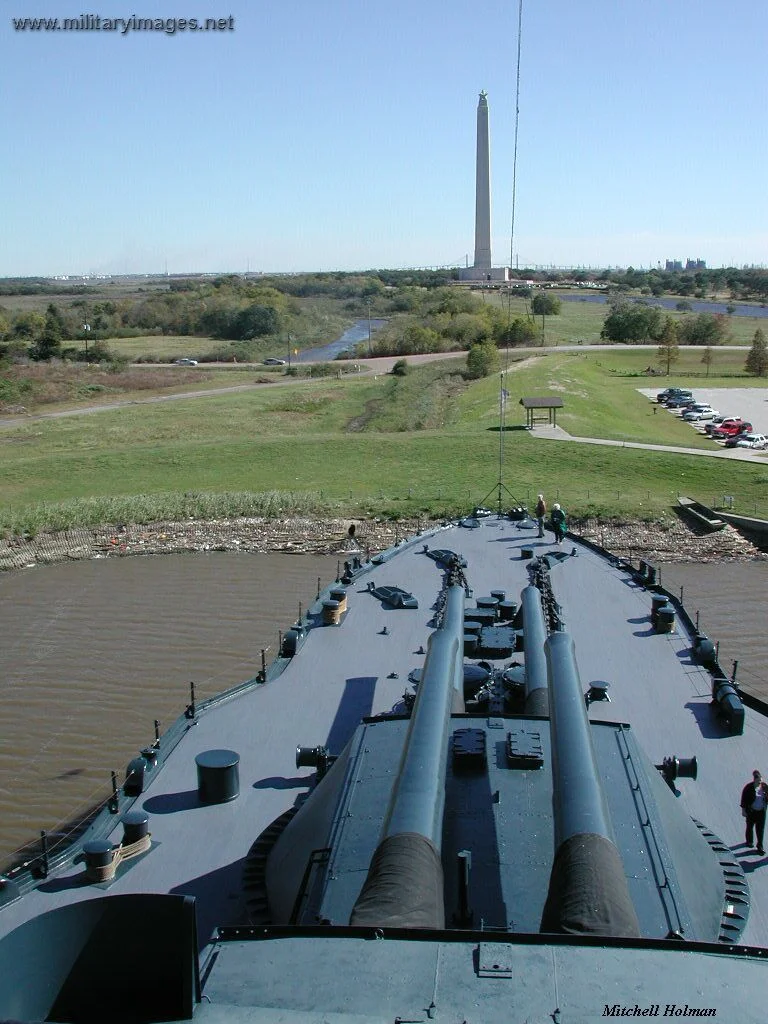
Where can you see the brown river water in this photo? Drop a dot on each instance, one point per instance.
(92, 652)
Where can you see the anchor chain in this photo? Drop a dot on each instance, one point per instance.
(540, 578)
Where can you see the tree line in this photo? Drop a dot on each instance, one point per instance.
(745, 283)
(426, 314)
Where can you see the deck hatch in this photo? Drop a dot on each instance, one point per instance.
(494, 960)
(469, 750)
(524, 750)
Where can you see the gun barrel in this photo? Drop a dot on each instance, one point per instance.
(404, 886)
(588, 892)
(534, 637)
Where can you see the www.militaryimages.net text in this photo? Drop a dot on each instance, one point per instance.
(124, 26)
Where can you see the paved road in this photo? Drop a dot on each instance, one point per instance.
(734, 454)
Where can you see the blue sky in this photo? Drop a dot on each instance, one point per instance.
(340, 135)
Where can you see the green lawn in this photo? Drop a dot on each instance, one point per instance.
(600, 393)
(423, 444)
(161, 347)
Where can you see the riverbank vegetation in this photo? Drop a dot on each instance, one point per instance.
(422, 444)
(240, 318)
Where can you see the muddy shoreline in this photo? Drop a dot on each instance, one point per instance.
(668, 540)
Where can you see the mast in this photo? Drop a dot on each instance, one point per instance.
(512, 261)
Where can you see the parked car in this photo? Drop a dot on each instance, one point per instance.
(757, 441)
(185, 362)
(667, 393)
(274, 362)
(679, 401)
(730, 428)
(733, 440)
(699, 412)
(715, 422)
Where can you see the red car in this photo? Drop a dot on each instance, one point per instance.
(731, 428)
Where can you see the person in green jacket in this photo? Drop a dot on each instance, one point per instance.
(558, 523)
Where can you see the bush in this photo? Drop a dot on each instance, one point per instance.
(118, 364)
(482, 360)
(401, 368)
(316, 370)
(98, 352)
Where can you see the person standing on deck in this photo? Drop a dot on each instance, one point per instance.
(557, 521)
(541, 511)
(754, 799)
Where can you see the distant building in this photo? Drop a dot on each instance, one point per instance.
(695, 264)
(673, 265)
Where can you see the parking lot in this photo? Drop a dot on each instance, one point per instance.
(749, 403)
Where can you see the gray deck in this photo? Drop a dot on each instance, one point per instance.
(344, 673)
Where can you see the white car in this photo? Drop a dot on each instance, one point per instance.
(700, 412)
(185, 362)
(757, 441)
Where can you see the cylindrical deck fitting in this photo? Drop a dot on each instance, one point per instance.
(135, 826)
(331, 613)
(665, 619)
(218, 776)
(658, 601)
(507, 610)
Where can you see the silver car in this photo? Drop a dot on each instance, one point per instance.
(700, 412)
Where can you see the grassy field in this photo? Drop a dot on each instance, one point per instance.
(425, 444)
(161, 347)
(600, 392)
(583, 321)
(49, 389)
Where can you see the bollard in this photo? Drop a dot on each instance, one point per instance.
(665, 619)
(658, 601)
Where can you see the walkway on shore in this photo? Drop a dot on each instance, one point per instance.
(739, 454)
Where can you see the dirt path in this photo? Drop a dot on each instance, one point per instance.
(370, 367)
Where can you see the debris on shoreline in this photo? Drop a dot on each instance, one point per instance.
(670, 540)
(290, 535)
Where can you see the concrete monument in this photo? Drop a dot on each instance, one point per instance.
(482, 270)
(483, 188)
